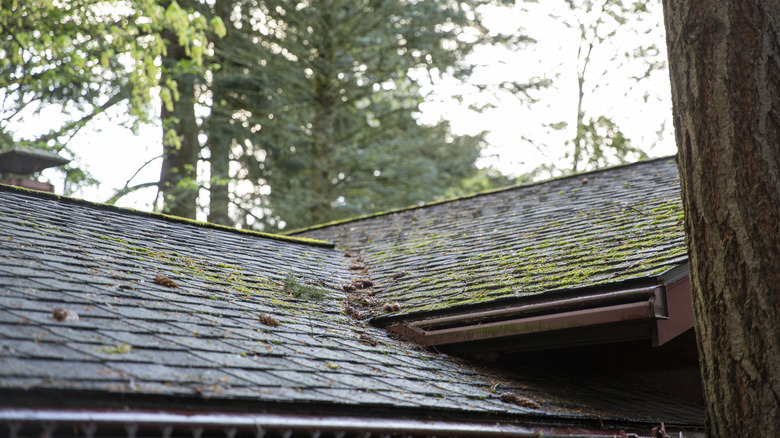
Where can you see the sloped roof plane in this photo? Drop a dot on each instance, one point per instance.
(120, 311)
(614, 226)
(606, 233)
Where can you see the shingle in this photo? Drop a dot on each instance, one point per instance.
(195, 343)
(58, 371)
(163, 372)
(39, 350)
(365, 397)
(145, 340)
(260, 378)
(202, 338)
(624, 224)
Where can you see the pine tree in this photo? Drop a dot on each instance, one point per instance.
(318, 104)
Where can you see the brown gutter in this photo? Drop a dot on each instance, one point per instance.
(131, 423)
(548, 306)
(649, 304)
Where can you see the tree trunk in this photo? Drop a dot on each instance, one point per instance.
(724, 57)
(219, 140)
(178, 177)
(320, 186)
(219, 189)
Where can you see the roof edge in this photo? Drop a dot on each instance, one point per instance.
(166, 217)
(118, 421)
(594, 291)
(548, 307)
(470, 196)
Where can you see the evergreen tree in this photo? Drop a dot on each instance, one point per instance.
(317, 103)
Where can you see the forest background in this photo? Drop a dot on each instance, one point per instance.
(276, 115)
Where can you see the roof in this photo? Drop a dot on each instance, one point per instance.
(614, 228)
(23, 161)
(110, 308)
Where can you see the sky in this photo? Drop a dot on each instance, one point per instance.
(518, 140)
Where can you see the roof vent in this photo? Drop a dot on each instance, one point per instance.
(17, 164)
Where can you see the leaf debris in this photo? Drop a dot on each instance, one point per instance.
(59, 314)
(268, 320)
(165, 281)
(519, 400)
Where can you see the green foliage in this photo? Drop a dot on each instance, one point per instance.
(84, 58)
(302, 291)
(319, 106)
(601, 139)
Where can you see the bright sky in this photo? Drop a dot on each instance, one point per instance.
(113, 154)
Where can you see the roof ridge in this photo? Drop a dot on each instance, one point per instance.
(166, 217)
(470, 196)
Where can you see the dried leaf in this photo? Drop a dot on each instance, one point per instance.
(268, 320)
(400, 274)
(368, 339)
(59, 314)
(391, 307)
(165, 281)
(520, 401)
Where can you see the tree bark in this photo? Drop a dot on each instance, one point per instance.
(219, 141)
(322, 136)
(724, 58)
(178, 176)
(219, 188)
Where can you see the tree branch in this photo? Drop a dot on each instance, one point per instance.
(127, 190)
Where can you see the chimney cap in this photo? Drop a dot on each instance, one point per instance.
(22, 161)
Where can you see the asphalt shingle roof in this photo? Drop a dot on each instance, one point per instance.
(600, 229)
(113, 303)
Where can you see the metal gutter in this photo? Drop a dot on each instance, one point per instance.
(129, 423)
(636, 305)
(548, 306)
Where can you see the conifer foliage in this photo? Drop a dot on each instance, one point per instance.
(313, 108)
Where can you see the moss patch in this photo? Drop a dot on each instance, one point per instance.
(302, 291)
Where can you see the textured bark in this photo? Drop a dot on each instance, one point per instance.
(219, 189)
(325, 96)
(179, 168)
(219, 141)
(724, 57)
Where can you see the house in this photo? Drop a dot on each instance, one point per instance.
(450, 319)
(589, 268)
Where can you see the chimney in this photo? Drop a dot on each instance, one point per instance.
(18, 164)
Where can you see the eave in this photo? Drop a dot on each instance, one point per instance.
(657, 312)
(90, 423)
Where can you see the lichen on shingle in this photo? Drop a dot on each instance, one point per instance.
(625, 224)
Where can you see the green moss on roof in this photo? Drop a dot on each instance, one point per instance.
(170, 218)
(623, 225)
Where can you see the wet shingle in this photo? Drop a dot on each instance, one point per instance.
(203, 338)
(625, 224)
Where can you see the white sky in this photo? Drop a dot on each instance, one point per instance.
(113, 154)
